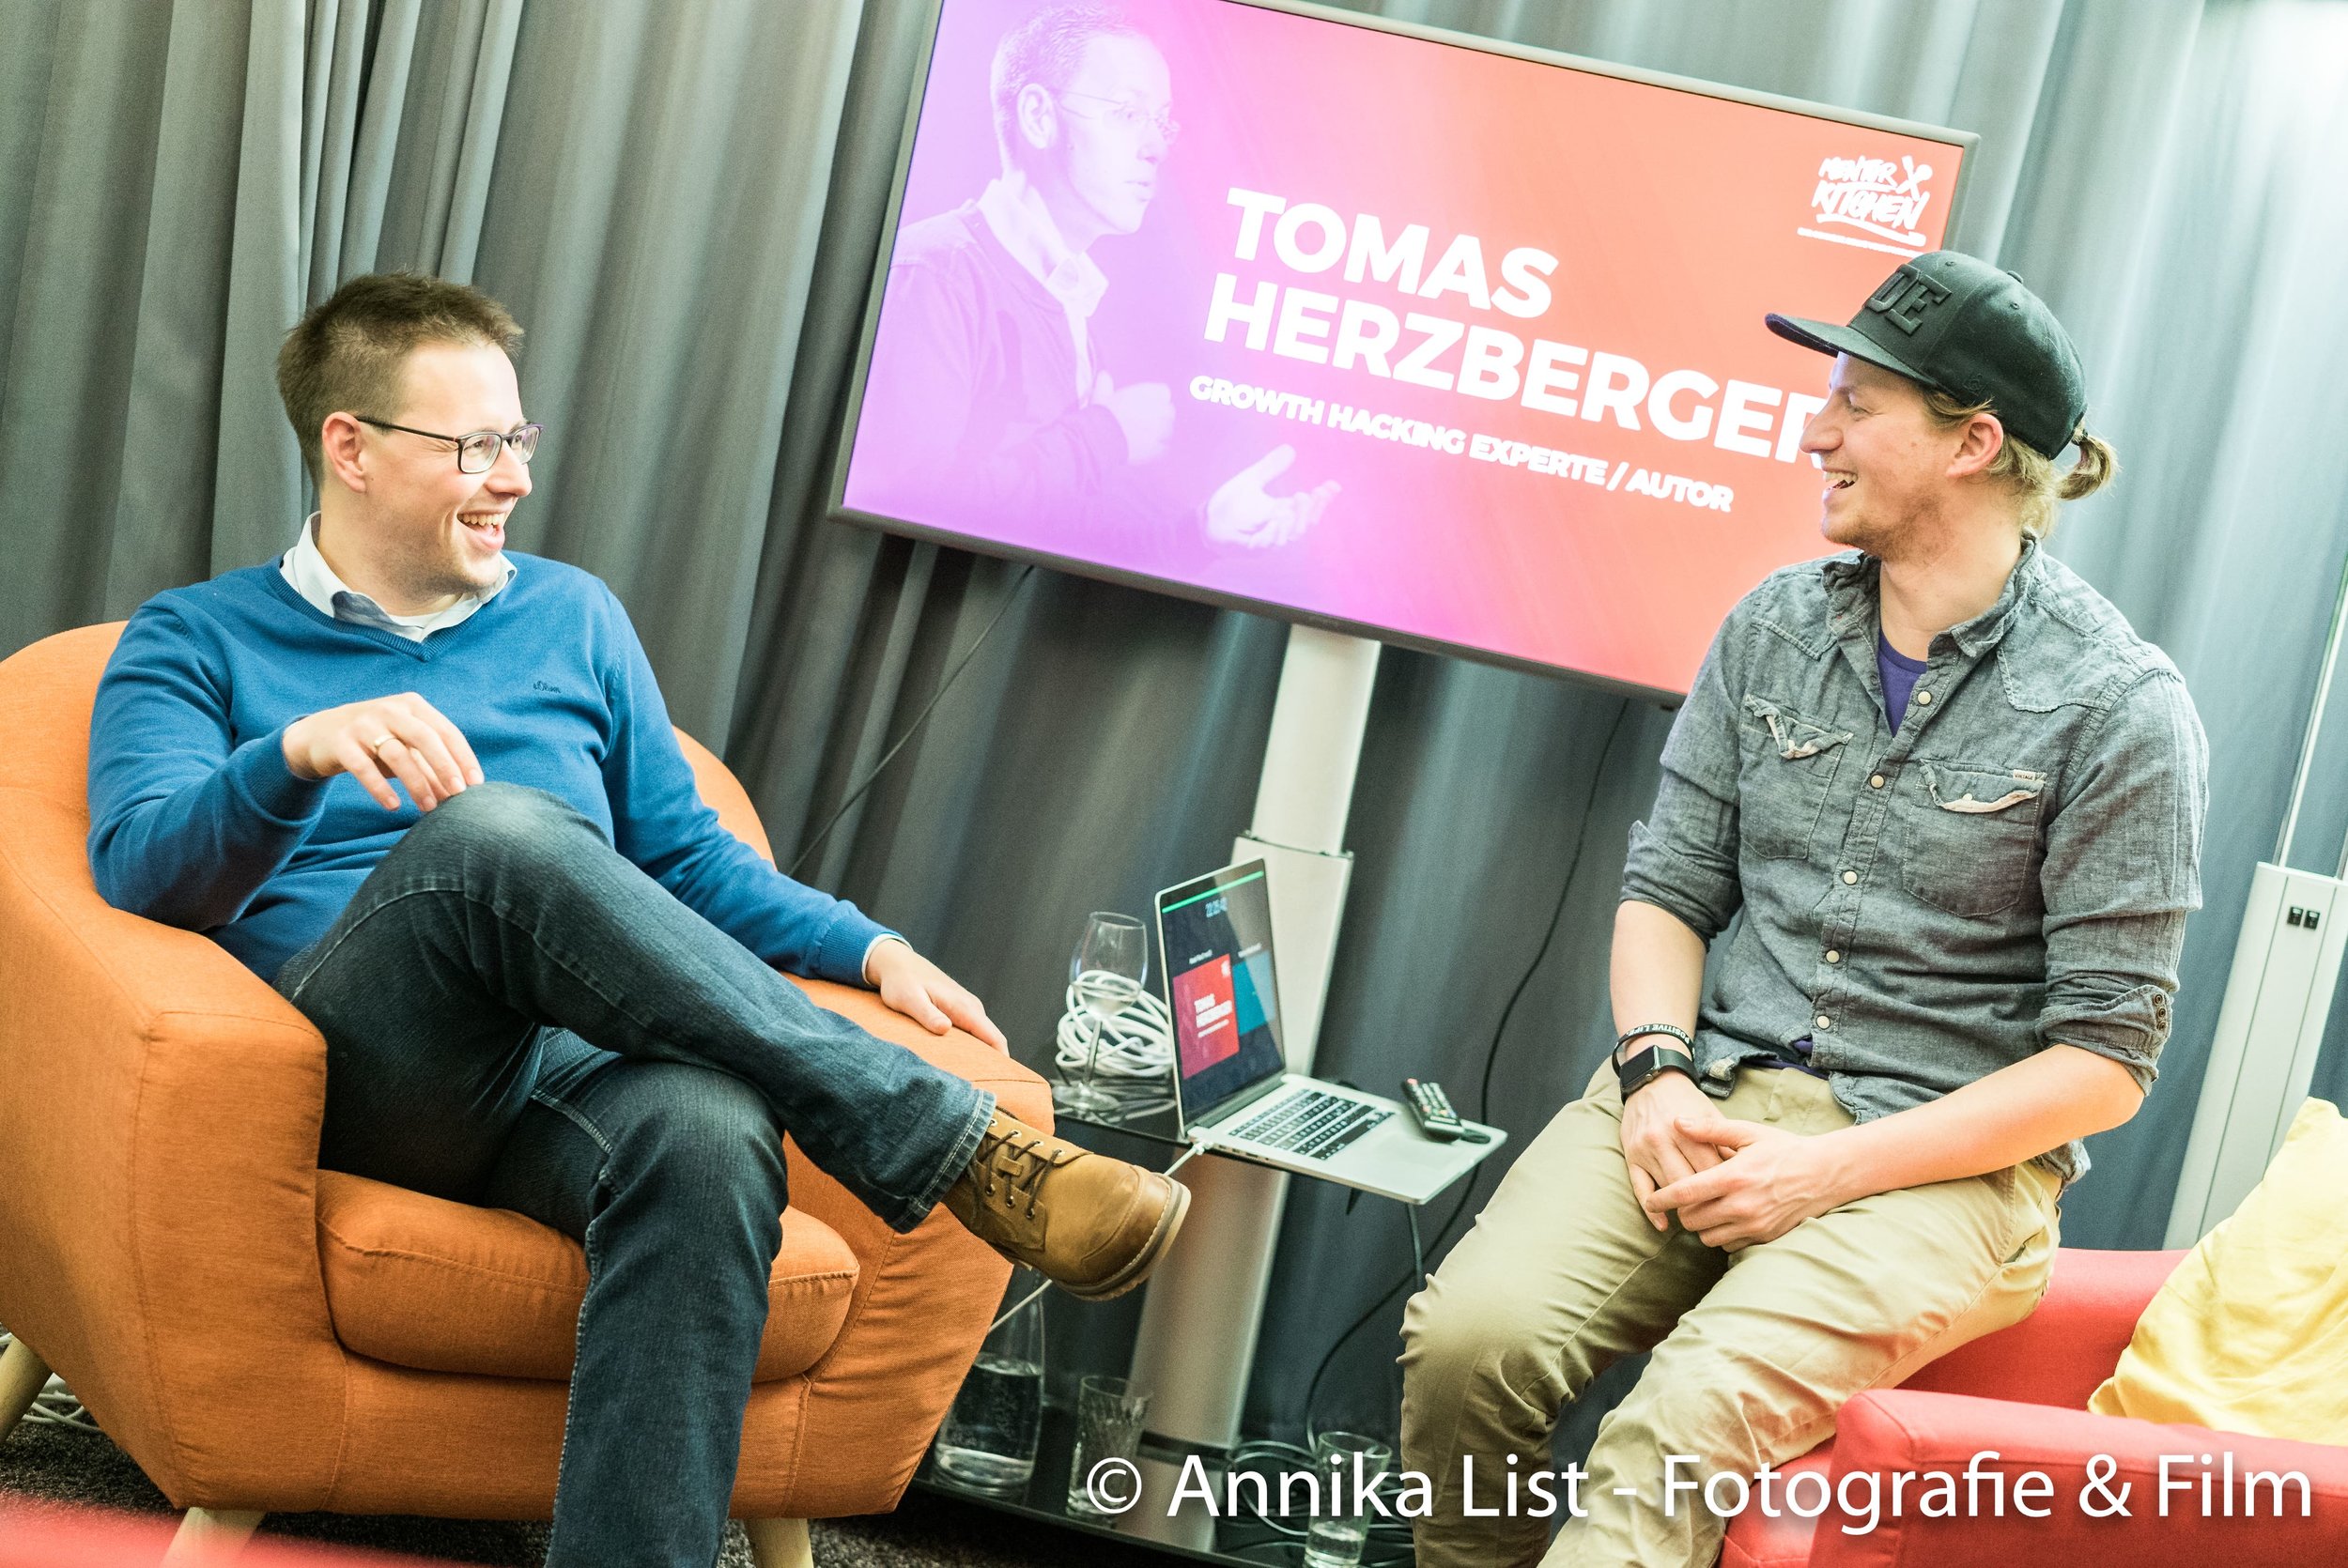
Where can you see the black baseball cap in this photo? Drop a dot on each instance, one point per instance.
(1956, 324)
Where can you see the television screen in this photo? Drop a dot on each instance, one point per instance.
(1452, 345)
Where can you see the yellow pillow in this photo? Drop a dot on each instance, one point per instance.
(2250, 1333)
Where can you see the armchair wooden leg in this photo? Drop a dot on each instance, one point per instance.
(209, 1535)
(23, 1376)
(779, 1543)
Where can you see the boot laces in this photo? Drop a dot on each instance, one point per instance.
(1022, 1162)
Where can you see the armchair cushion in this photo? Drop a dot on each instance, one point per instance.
(2062, 1351)
(440, 1286)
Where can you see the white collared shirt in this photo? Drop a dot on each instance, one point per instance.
(305, 568)
(1025, 227)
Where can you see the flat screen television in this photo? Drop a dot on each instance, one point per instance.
(1433, 339)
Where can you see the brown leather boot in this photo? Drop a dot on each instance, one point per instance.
(1093, 1225)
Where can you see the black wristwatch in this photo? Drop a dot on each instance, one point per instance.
(1646, 1066)
(1673, 1052)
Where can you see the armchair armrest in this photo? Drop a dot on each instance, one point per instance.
(1889, 1430)
(923, 1300)
(158, 1171)
(2063, 1350)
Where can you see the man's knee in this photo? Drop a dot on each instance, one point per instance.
(504, 819)
(703, 1145)
(1477, 1344)
(1727, 1407)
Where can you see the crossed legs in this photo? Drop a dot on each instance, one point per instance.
(458, 992)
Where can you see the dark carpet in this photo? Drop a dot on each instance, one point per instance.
(59, 1464)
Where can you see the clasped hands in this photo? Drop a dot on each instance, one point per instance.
(1732, 1183)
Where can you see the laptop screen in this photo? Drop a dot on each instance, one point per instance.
(1216, 934)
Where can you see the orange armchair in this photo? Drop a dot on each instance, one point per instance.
(261, 1335)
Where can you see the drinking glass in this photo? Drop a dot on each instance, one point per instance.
(1337, 1533)
(1109, 1413)
(988, 1440)
(1111, 961)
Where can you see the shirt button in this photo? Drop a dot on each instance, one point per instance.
(1850, 876)
(1875, 782)
(1823, 1021)
(1925, 696)
(1833, 955)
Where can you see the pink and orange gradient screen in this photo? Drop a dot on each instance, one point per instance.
(1512, 309)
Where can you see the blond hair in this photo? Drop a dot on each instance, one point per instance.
(2029, 473)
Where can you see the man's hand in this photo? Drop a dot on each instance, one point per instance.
(1653, 1143)
(924, 992)
(1145, 412)
(383, 738)
(1243, 512)
(1770, 1181)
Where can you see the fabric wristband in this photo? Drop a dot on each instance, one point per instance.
(1674, 1030)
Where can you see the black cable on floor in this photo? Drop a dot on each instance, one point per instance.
(915, 727)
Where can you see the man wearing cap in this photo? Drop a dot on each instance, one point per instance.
(1958, 803)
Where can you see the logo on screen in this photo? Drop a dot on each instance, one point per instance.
(1871, 202)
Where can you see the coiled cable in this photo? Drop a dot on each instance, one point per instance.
(1137, 1043)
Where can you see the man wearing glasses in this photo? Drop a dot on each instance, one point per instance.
(548, 977)
(987, 388)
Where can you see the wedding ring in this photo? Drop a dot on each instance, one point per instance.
(374, 746)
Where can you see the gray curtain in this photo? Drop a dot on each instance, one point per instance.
(683, 203)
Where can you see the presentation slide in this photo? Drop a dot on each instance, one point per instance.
(1432, 341)
(1204, 1006)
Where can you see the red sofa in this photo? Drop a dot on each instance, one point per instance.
(2022, 1394)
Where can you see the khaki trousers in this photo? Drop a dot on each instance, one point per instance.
(1754, 1350)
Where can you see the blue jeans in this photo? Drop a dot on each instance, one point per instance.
(517, 1017)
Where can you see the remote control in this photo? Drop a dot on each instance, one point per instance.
(1431, 1109)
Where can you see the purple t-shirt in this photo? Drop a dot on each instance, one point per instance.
(1900, 674)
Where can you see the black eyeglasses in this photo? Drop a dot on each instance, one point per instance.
(476, 452)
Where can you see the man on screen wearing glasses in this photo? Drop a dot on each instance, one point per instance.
(1936, 810)
(987, 386)
(548, 977)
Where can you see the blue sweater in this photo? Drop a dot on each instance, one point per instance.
(195, 819)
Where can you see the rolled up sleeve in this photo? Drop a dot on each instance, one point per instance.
(1683, 857)
(2122, 873)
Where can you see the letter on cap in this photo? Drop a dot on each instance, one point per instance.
(1904, 297)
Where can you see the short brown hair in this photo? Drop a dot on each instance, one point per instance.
(2029, 473)
(348, 352)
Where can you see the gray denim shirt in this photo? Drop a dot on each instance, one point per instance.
(2012, 869)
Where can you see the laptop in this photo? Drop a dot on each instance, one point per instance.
(1233, 1091)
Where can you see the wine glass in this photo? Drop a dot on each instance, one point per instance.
(1110, 964)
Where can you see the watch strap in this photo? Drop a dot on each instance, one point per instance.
(1646, 1066)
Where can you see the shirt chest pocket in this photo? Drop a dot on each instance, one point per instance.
(1787, 771)
(1969, 835)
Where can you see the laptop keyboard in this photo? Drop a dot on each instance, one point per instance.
(1313, 1124)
